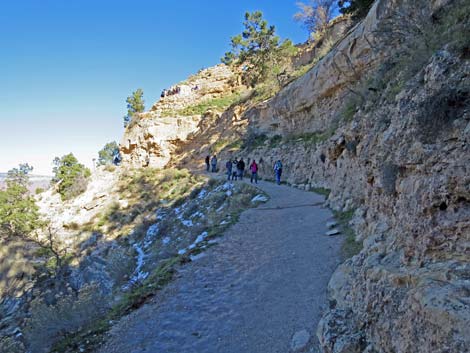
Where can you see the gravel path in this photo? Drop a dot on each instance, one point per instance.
(260, 290)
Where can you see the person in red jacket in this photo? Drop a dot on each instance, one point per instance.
(254, 172)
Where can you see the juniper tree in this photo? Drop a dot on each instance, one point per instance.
(70, 176)
(107, 153)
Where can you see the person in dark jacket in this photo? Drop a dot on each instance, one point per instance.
(278, 171)
(214, 163)
(207, 163)
(254, 172)
(228, 165)
(241, 168)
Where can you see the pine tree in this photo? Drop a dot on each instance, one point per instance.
(18, 211)
(257, 47)
(135, 104)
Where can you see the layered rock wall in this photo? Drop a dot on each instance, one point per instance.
(399, 158)
(152, 137)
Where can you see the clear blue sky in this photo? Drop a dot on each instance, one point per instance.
(67, 66)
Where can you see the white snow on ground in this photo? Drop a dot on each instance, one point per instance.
(198, 240)
(152, 231)
(166, 240)
(259, 198)
(201, 237)
(202, 194)
(197, 257)
(197, 214)
(187, 222)
(220, 208)
(138, 274)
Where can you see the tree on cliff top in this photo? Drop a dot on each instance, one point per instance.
(257, 48)
(357, 8)
(71, 177)
(18, 211)
(135, 104)
(315, 15)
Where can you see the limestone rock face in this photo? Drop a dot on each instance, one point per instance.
(206, 84)
(153, 136)
(150, 141)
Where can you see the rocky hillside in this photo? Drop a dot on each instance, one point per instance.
(382, 121)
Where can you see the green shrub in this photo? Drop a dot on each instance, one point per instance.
(107, 153)
(275, 141)
(70, 176)
(350, 246)
(309, 137)
(322, 191)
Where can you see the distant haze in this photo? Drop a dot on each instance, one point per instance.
(36, 181)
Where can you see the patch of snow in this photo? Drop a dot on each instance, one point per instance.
(182, 251)
(138, 274)
(227, 186)
(187, 222)
(228, 193)
(223, 222)
(166, 240)
(333, 232)
(197, 257)
(201, 237)
(202, 194)
(192, 246)
(152, 231)
(197, 214)
(220, 208)
(259, 198)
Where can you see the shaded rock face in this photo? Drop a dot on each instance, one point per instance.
(404, 165)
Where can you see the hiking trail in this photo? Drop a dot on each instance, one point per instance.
(261, 289)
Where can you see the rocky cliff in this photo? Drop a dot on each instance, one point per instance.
(152, 136)
(383, 122)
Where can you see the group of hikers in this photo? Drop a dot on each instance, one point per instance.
(171, 91)
(175, 90)
(235, 169)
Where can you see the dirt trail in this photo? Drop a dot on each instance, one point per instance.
(260, 290)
